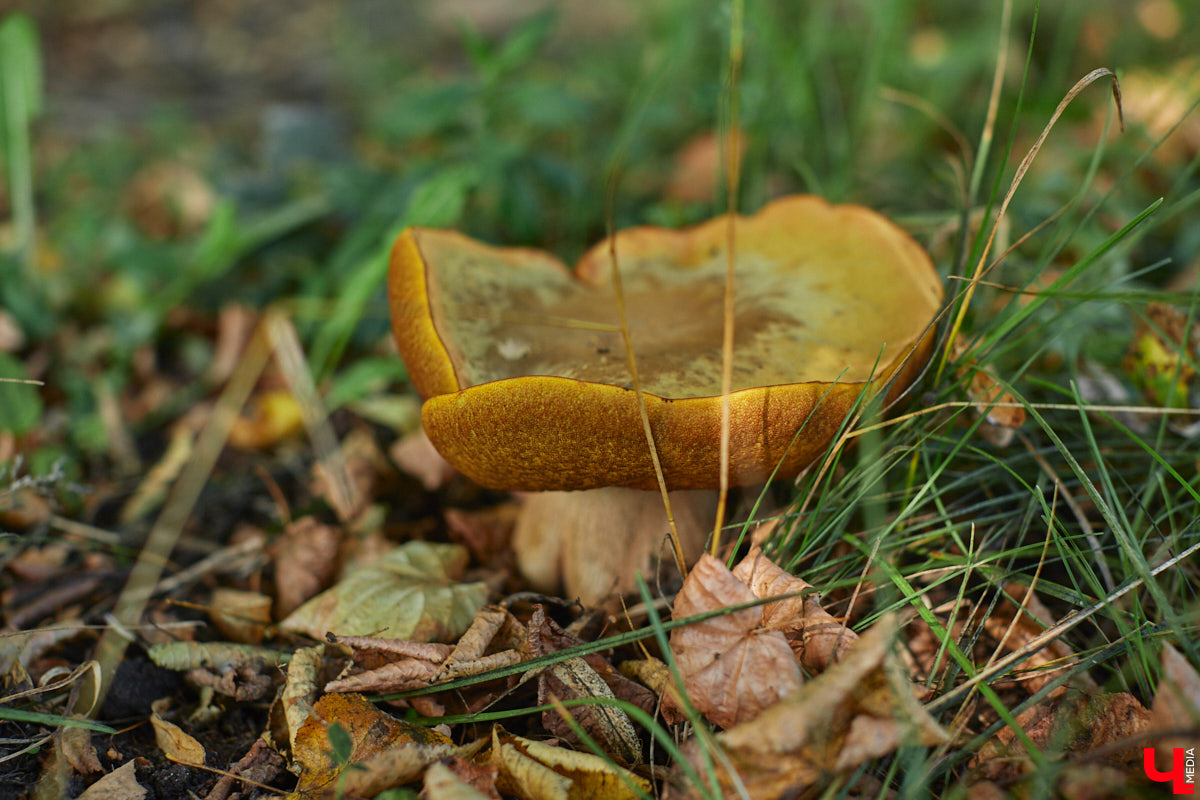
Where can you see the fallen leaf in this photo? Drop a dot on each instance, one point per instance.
(184, 656)
(1032, 618)
(862, 707)
(416, 456)
(441, 783)
(260, 765)
(411, 593)
(241, 615)
(385, 751)
(656, 676)
(985, 390)
(77, 749)
(300, 692)
(589, 676)
(816, 637)
(274, 415)
(1161, 355)
(538, 771)
(175, 743)
(1073, 724)
(306, 559)
(487, 533)
(363, 465)
(120, 784)
(732, 666)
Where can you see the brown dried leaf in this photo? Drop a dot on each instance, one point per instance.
(442, 783)
(300, 690)
(260, 765)
(397, 676)
(656, 676)
(240, 615)
(487, 533)
(1031, 622)
(305, 562)
(169, 200)
(583, 677)
(984, 390)
(861, 707)
(77, 749)
(538, 771)
(415, 455)
(1074, 724)
(732, 666)
(815, 636)
(363, 464)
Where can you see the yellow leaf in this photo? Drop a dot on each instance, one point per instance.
(538, 771)
(172, 740)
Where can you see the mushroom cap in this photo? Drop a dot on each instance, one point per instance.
(522, 363)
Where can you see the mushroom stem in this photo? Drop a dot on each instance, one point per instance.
(594, 542)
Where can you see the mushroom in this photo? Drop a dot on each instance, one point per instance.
(522, 362)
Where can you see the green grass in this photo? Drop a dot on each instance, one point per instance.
(517, 139)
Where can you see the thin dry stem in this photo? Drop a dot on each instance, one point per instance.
(1022, 169)
(631, 361)
(733, 177)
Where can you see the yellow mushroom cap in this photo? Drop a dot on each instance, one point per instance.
(522, 364)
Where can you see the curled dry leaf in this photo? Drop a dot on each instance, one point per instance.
(363, 465)
(410, 593)
(173, 741)
(240, 615)
(415, 455)
(862, 707)
(589, 676)
(306, 558)
(656, 676)
(77, 749)
(260, 765)
(538, 771)
(1074, 724)
(1176, 705)
(816, 637)
(732, 666)
(385, 751)
(300, 691)
(1032, 618)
